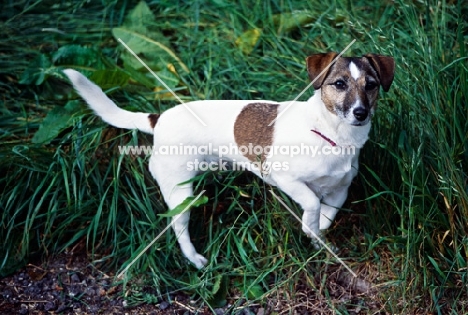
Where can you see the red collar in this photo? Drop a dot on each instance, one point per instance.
(333, 144)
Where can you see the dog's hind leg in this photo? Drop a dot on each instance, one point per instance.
(180, 226)
(170, 175)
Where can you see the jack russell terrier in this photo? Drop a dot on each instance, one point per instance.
(335, 119)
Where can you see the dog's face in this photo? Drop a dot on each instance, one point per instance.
(350, 87)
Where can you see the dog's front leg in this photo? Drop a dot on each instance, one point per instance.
(309, 202)
(331, 205)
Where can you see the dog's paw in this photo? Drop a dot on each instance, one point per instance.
(198, 260)
(320, 245)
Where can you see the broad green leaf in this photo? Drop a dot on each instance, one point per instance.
(156, 55)
(289, 21)
(220, 291)
(251, 288)
(78, 55)
(140, 16)
(166, 76)
(185, 204)
(141, 78)
(36, 71)
(109, 78)
(142, 20)
(152, 48)
(44, 65)
(57, 120)
(255, 292)
(148, 80)
(247, 41)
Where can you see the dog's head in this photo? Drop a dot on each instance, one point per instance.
(350, 86)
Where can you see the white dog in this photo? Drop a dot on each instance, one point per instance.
(309, 149)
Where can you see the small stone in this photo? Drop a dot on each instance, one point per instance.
(36, 306)
(90, 292)
(261, 311)
(115, 302)
(24, 309)
(61, 308)
(49, 306)
(7, 293)
(247, 311)
(75, 278)
(163, 305)
(74, 292)
(94, 309)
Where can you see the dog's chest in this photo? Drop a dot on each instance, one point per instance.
(325, 172)
(338, 171)
(331, 168)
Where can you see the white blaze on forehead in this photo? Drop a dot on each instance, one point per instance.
(355, 73)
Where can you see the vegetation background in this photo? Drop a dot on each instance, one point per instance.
(62, 182)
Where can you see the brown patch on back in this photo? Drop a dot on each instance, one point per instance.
(153, 118)
(251, 129)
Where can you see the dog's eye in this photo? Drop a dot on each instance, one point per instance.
(370, 86)
(340, 85)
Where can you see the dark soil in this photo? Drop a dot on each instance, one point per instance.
(70, 284)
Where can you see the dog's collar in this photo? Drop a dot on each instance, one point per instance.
(333, 144)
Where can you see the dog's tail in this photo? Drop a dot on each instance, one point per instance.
(107, 109)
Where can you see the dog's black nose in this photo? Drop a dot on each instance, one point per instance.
(360, 113)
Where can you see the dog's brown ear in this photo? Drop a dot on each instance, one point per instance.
(316, 64)
(385, 67)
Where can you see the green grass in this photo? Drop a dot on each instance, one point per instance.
(404, 227)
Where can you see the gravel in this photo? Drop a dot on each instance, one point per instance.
(69, 285)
